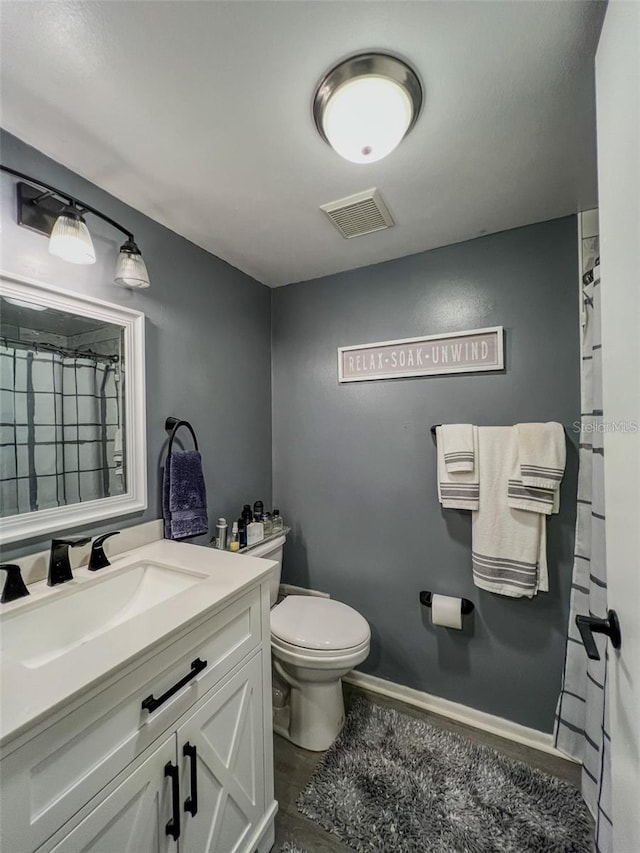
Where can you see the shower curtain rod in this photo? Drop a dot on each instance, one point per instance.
(53, 348)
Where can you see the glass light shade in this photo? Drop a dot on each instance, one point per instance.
(71, 241)
(366, 118)
(131, 270)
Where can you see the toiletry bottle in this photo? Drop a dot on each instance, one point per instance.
(268, 524)
(242, 533)
(255, 533)
(221, 534)
(247, 514)
(234, 542)
(258, 511)
(277, 522)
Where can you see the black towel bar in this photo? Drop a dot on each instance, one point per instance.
(434, 428)
(172, 425)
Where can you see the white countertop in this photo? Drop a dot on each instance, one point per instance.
(29, 695)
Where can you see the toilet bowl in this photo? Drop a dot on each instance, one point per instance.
(314, 642)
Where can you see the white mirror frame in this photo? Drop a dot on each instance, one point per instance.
(58, 519)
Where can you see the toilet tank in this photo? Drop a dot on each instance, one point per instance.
(271, 550)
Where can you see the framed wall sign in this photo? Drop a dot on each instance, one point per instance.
(475, 351)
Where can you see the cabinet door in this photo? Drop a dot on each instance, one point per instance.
(228, 737)
(133, 818)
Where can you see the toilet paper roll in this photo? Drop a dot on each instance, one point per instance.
(446, 611)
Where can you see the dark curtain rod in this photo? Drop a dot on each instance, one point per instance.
(85, 208)
(53, 348)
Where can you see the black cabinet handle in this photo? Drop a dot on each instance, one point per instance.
(590, 625)
(191, 803)
(173, 826)
(151, 703)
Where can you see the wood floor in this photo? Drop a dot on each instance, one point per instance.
(294, 766)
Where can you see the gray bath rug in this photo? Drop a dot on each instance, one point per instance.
(394, 784)
(291, 848)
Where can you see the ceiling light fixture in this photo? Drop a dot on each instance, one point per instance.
(365, 106)
(60, 217)
(22, 303)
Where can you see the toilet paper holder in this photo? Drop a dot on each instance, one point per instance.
(426, 598)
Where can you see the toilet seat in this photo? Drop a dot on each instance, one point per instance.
(318, 628)
(319, 658)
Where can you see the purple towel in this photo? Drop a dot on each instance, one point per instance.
(184, 496)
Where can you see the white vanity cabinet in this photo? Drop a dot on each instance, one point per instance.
(189, 772)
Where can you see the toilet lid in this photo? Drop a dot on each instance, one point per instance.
(318, 623)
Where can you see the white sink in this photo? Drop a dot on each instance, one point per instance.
(48, 628)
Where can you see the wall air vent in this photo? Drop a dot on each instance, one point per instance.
(359, 214)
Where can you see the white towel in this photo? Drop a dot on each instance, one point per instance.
(542, 454)
(458, 446)
(460, 490)
(532, 499)
(509, 545)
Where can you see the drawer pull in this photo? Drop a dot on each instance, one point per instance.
(151, 703)
(191, 803)
(173, 826)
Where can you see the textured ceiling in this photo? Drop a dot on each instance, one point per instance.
(199, 115)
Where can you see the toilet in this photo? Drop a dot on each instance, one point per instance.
(314, 642)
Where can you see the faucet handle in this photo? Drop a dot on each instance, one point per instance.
(98, 559)
(14, 586)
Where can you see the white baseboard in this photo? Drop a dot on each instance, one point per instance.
(455, 711)
(290, 589)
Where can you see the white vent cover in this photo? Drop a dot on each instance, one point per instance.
(358, 214)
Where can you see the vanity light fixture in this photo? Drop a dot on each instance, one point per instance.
(60, 217)
(365, 106)
(131, 270)
(70, 238)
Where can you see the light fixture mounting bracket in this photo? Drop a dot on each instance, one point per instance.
(37, 210)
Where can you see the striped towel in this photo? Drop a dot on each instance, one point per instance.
(458, 446)
(460, 490)
(542, 454)
(531, 498)
(509, 545)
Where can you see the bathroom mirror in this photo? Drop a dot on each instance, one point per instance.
(72, 410)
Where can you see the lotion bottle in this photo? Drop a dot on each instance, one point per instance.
(234, 542)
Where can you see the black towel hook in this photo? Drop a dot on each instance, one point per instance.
(172, 425)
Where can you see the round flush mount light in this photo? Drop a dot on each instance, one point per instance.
(22, 303)
(365, 106)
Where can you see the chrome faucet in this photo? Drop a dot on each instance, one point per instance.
(59, 565)
(14, 585)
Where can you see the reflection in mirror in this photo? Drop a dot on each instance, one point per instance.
(62, 412)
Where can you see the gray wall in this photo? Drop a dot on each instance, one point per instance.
(208, 329)
(355, 465)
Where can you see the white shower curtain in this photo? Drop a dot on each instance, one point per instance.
(582, 720)
(59, 417)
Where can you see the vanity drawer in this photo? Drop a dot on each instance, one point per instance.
(47, 780)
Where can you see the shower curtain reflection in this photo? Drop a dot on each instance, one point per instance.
(60, 428)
